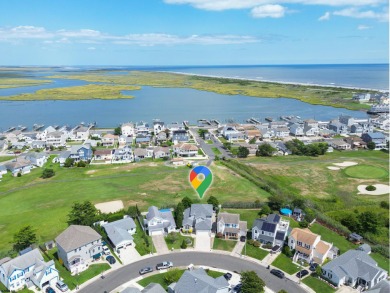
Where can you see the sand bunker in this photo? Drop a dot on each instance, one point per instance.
(91, 171)
(110, 206)
(333, 168)
(345, 164)
(380, 189)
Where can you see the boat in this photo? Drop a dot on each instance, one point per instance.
(22, 128)
(38, 126)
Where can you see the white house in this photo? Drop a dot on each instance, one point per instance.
(230, 225)
(271, 229)
(37, 159)
(159, 222)
(186, 150)
(128, 129)
(26, 269)
(56, 138)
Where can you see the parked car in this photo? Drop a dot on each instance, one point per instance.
(62, 286)
(164, 265)
(228, 276)
(106, 250)
(313, 267)
(302, 273)
(50, 290)
(237, 288)
(242, 238)
(111, 260)
(145, 270)
(277, 273)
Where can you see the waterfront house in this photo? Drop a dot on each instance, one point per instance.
(277, 124)
(252, 134)
(361, 98)
(196, 281)
(120, 233)
(19, 165)
(27, 270)
(281, 132)
(42, 135)
(174, 126)
(270, 230)
(266, 132)
(158, 126)
(128, 129)
(56, 139)
(37, 159)
(78, 246)
(198, 218)
(179, 136)
(347, 120)
(377, 137)
(230, 226)
(354, 268)
(231, 134)
(337, 127)
(309, 246)
(159, 222)
(142, 128)
(296, 130)
(80, 133)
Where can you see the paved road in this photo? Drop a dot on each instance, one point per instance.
(116, 278)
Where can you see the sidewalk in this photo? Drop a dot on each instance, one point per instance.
(238, 249)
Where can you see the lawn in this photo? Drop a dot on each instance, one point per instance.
(178, 242)
(221, 244)
(216, 151)
(285, 264)
(144, 184)
(209, 141)
(140, 245)
(6, 158)
(366, 172)
(255, 252)
(317, 285)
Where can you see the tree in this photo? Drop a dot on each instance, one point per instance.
(202, 133)
(214, 201)
(303, 224)
(252, 140)
(118, 131)
(318, 271)
(298, 203)
(351, 221)
(179, 214)
(83, 213)
(132, 211)
(287, 251)
(251, 282)
(81, 164)
(384, 204)
(172, 276)
(282, 291)
(265, 210)
(227, 145)
(47, 173)
(24, 238)
(69, 163)
(172, 237)
(187, 202)
(242, 152)
(183, 244)
(265, 150)
(275, 203)
(371, 145)
(369, 221)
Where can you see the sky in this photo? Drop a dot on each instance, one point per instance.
(193, 32)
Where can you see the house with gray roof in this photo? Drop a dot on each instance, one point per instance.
(38, 144)
(61, 158)
(27, 270)
(159, 222)
(354, 268)
(198, 218)
(81, 152)
(365, 247)
(272, 229)
(296, 130)
(377, 137)
(3, 170)
(37, 159)
(78, 246)
(230, 225)
(197, 281)
(151, 288)
(120, 233)
(19, 165)
(382, 287)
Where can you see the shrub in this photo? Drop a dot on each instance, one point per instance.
(173, 275)
(183, 245)
(19, 174)
(267, 246)
(251, 241)
(287, 251)
(370, 188)
(188, 241)
(256, 243)
(47, 173)
(219, 235)
(81, 164)
(303, 224)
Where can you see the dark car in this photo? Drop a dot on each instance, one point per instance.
(302, 273)
(242, 238)
(145, 270)
(277, 273)
(50, 290)
(313, 267)
(228, 276)
(237, 288)
(111, 260)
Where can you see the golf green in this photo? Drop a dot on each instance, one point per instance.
(365, 172)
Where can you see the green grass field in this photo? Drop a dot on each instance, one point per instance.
(317, 285)
(221, 244)
(216, 151)
(178, 242)
(366, 172)
(6, 158)
(255, 252)
(285, 264)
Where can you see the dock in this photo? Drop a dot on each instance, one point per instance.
(253, 121)
(38, 126)
(269, 119)
(10, 129)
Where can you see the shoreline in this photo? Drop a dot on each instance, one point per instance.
(277, 82)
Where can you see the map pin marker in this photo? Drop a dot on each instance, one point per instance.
(201, 178)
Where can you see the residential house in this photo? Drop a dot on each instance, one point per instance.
(281, 132)
(140, 153)
(78, 246)
(179, 136)
(309, 246)
(230, 225)
(142, 128)
(355, 142)
(339, 144)
(80, 133)
(120, 233)
(361, 98)
(37, 159)
(19, 145)
(281, 148)
(159, 222)
(38, 144)
(252, 134)
(382, 287)
(365, 247)
(277, 124)
(360, 128)
(266, 132)
(19, 165)
(196, 281)
(28, 137)
(125, 140)
(161, 137)
(230, 133)
(103, 154)
(186, 150)
(123, 154)
(56, 139)
(27, 270)
(81, 152)
(42, 135)
(270, 230)
(337, 127)
(354, 268)
(151, 288)
(158, 126)
(298, 214)
(3, 171)
(175, 126)
(109, 140)
(143, 139)
(128, 129)
(296, 130)
(377, 137)
(61, 158)
(198, 218)
(347, 120)
(161, 152)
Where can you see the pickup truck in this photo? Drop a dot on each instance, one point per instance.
(164, 265)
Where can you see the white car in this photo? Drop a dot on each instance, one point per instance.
(106, 250)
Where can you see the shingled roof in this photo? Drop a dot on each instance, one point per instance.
(76, 236)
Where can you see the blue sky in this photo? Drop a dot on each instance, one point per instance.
(193, 32)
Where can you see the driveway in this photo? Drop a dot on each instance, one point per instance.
(129, 255)
(203, 241)
(159, 244)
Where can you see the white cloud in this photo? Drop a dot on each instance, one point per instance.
(91, 48)
(358, 13)
(326, 16)
(274, 11)
(363, 27)
(88, 36)
(243, 4)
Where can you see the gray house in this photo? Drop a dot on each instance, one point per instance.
(37, 159)
(271, 229)
(180, 136)
(377, 137)
(78, 246)
(159, 222)
(198, 218)
(151, 288)
(354, 268)
(197, 281)
(120, 232)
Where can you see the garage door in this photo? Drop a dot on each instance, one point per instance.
(200, 232)
(155, 232)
